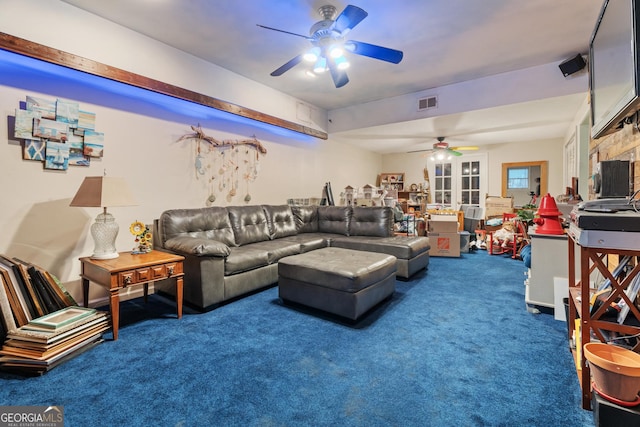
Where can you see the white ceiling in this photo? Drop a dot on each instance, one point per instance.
(444, 42)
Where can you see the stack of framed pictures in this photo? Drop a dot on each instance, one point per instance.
(30, 292)
(40, 323)
(47, 341)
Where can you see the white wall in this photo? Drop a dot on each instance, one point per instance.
(412, 164)
(141, 146)
(550, 150)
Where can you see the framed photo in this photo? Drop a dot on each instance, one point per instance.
(57, 156)
(24, 124)
(62, 317)
(5, 307)
(67, 112)
(45, 108)
(76, 151)
(86, 120)
(34, 149)
(16, 299)
(93, 143)
(50, 129)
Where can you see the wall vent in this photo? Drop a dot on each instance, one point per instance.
(428, 103)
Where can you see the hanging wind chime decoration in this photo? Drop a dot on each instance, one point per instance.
(236, 157)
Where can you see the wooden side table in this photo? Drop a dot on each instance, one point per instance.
(129, 270)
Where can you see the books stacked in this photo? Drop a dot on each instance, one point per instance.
(45, 342)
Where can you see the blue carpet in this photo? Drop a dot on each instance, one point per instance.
(455, 346)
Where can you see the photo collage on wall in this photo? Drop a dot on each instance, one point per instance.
(58, 133)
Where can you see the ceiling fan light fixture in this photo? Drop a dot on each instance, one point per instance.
(320, 65)
(312, 54)
(335, 51)
(342, 63)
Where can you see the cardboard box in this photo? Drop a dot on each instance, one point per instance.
(496, 206)
(443, 224)
(444, 244)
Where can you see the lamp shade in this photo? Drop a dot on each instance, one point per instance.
(103, 191)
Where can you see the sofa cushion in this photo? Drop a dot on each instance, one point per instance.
(245, 258)
(310, 241)
(249, 224)
(402, 247)
(276, 249)
(197, 246)
(205, 223)
(334, 219)
(376, 221)
(280, 220)
(306, 218)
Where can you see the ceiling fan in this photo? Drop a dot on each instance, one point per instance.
(328, 44)
(441, 149)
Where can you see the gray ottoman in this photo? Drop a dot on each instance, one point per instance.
(340, 281)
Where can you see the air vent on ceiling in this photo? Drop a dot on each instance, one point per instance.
(427, 103)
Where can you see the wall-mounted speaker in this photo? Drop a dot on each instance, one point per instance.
(572, 65)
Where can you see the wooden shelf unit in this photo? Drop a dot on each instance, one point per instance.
(412, 199)
(592, 259)
(391, 181)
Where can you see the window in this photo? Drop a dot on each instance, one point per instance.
(442, 191)
(470, 179)
(517, 178)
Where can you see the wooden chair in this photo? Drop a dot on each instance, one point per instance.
(513, 246)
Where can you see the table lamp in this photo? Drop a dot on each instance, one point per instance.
(103, 191)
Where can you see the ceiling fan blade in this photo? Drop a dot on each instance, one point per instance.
(339, 77)
(454, 152)
(286, 32)
(466, 148)
(349, 18)
(286, 67)
(374, 51)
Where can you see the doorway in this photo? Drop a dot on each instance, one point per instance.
(522, 180)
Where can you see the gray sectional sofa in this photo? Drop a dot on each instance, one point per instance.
(231, 251)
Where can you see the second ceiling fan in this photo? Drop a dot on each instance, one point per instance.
(328, 44)
(442, 148)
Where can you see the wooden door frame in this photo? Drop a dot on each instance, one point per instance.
(544, 166)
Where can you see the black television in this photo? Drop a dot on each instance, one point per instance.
(614, 80)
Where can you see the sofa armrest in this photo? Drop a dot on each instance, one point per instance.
(197, 246)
